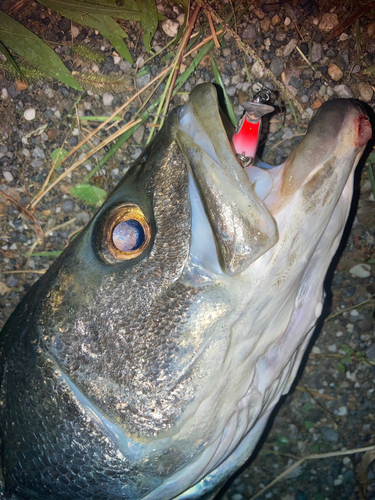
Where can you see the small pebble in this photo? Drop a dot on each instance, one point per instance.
(342, 411)
(143, 80)
(370, 353)
(38, 153)
(138, 134)
(290, 47)
(125, 66)
(12, 281)
(343, 91)
(29, 114)
(75, 31)
(249, 32)
(4, 94)
(329, 434)
(8, 176)
(68, 206)
(258, 70)
(365, 91)
(116, 59)
(335, 72)
(181, 19)
(237, 496)
(361, 271)
(316, 52)
(107, 99)
(277, 66)
(287, 21)
(328, 22)
(343, 37)
(170, 27)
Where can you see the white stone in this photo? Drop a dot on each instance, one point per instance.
(8, 176)
(339, 334)
(29, 114)
(343, 37)
(107, 99)
(75, 131)
(290, 47)
(116, 59)
(170, 27)
(342, 411)
(95, 68)
(361, 271)
(75, 31)
(4, 94)
(316, 350)
(332, 348)
(258, 70)
(287, 21)
(354, 312)
(181, 19)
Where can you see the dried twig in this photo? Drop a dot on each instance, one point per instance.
(250, 52)
(217, 44)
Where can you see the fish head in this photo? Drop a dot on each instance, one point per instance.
(163, 337)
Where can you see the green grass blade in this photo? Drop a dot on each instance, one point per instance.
(228, 104)
(84, 14)
(144, 116)
(33, 49)
(149, 21)
(370, 173)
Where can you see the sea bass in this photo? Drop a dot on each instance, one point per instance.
(145, 363)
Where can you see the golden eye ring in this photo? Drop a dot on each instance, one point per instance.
(125, 234)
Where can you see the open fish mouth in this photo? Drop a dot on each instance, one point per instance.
(146, 362)
(273, 245)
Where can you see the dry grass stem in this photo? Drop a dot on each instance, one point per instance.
(217, 44)
(305, 59)
(361, 304)
(86, 157)
(28, 271)
(42, 193)
(206, 40)
(312, 457)
(250, 52)
(315, 393)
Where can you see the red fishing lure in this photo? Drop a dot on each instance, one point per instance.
(246, 135)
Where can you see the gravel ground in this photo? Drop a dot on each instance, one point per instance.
(332, 405)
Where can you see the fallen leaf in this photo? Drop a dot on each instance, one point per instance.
(7, 254)
(20, 85)
(3, 288)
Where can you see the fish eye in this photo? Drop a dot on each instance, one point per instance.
(125, 234)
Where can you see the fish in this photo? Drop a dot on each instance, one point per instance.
(146, 362)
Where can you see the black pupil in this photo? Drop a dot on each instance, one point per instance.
(128, 235)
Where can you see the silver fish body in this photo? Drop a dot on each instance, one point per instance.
(146, 362)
